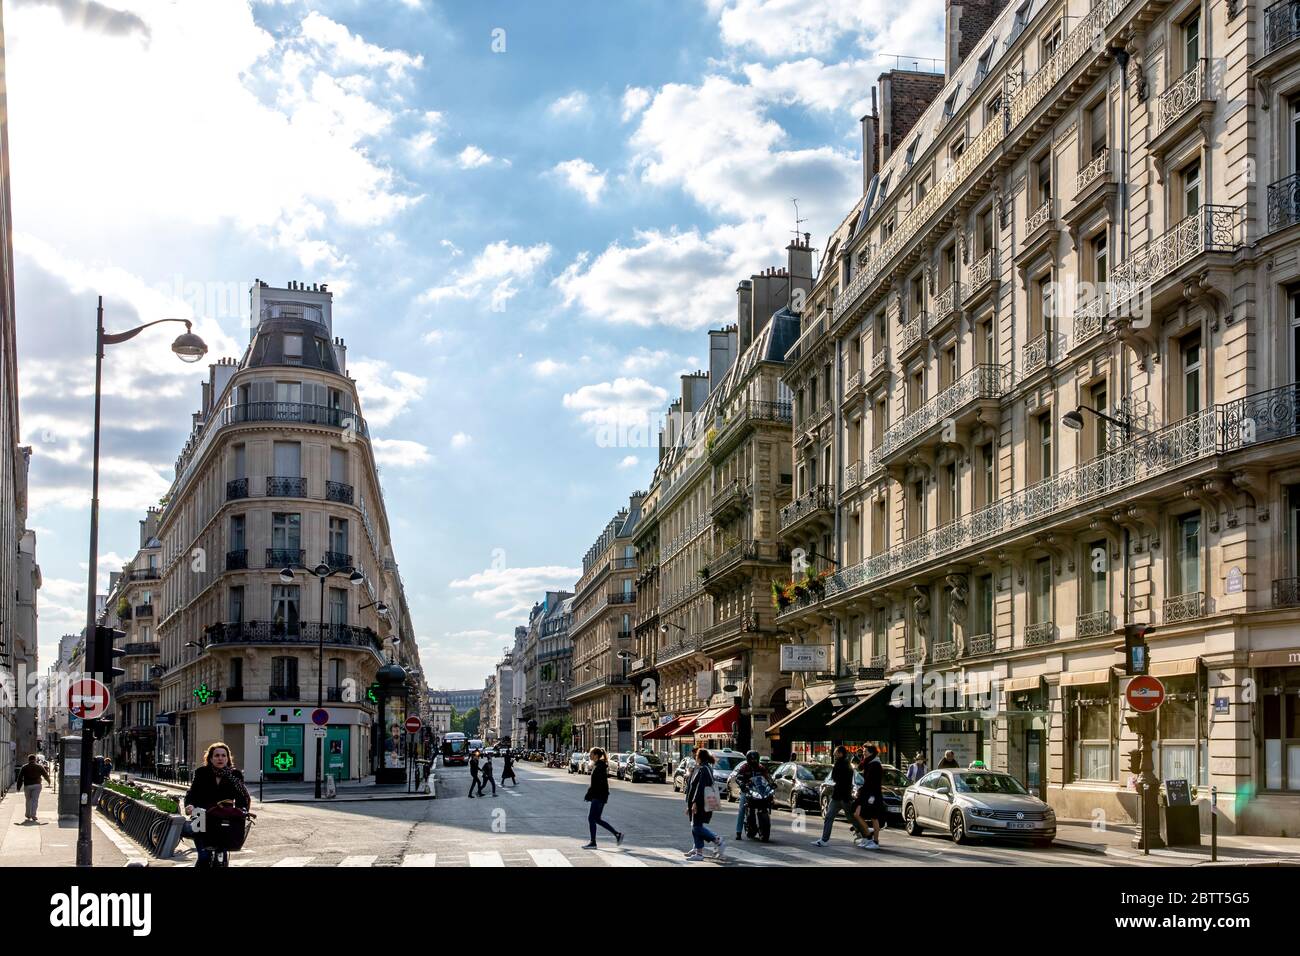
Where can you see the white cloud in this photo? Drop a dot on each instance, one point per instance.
(448, 244)
(350, 49)
(471, 157)
(400, 453)
(513, 591)
(635, 99)
(644, 360)
(582, 177)
(548, 367)
(622, 403)
(385, 392)
(629, 461)
(461, 440)
(574, 104)
(494, 271)
(782, 28)
(842, 87)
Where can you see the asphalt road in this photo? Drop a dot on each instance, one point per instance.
(543, 822)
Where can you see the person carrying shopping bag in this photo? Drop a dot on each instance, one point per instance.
(701, 800)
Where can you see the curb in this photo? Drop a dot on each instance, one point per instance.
(325, 802)
(1097, 849)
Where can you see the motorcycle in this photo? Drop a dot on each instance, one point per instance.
(759, 798)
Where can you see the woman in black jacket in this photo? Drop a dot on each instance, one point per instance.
(217, 781)
(697, 808)
(598, 796)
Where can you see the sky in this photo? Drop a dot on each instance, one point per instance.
(529, 213)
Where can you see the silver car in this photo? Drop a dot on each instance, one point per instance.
(977, 804)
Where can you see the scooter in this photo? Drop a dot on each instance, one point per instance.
(759, 797)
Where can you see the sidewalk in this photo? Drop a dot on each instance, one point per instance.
(1116, 841)
(350, 791)
(53, 842)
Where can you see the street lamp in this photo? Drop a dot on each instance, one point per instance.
(322, 571)
(1074, 421)
(189, 348)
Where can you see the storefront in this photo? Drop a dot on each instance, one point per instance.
(716, 729)
(852, 719)
(1277, 677)
(1027, 722)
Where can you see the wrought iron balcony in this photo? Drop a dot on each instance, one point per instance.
(1096, 624)
(1281, 24)
(338, 559)
(142, 648)
(980, 383)
(678, 650)
(338, 491)
(238, 488)
(1096, 168)
(852, 384)
(913, 656)
(623, 563)
(1090, 319)
(879, 363)
(1043, 632)
(130, 687)
(817, 499)
(854, 475)
(1035, 353)
(302, 632)
(237, 560)
(1184, 607)
(948, 303)
(334, 693)
(144, 610)
(730, 500)
(1284, 202)
(284, 557)
(1286, 592)
(1209, 229)
(945, 651)
(879, 661)
(1040, 217)
(283, 692)
(981, 644)
(234, 694)
(733, 556)
(911, 334)
(982, 271)
(285, 487)
(622, 597)
(144, 574)
(1184, 93)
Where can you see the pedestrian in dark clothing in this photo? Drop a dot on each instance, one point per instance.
(508, 770)
(29, 776)
(474, 781)
(949, 761)
(698, 789)
(870, 801)
(486, 770)
(598, 796)
(841, 800)
(216, 782)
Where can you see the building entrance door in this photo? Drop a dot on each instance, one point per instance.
(1035, 761)
(338, 753)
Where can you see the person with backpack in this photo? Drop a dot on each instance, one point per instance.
(508, 769)
(474, 781)
(701, 799)
(598, 796)
(217, 783)
(485, 769)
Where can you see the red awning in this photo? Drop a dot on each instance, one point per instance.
(714, 722)
(687, 726)
(665, 730)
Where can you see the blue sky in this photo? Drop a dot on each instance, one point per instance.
(529, 213)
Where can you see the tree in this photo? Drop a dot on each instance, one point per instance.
(471, 722)
(559, 728)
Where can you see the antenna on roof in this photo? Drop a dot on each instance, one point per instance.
(797, 221)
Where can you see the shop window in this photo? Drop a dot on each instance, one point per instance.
(1091, 710)
(1181, 749)
(1280, 726)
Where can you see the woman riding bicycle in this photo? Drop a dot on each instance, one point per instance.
(218, 782)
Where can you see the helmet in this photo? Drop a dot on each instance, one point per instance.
(752, 756)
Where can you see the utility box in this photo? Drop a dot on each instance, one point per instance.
(1182, 818)
(69, 776)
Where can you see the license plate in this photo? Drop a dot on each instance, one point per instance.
(1021, 826)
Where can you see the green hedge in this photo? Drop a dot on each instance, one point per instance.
(161, 801)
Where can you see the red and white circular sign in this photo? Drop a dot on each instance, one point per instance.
(412, 725)
(1145, 693)
(87, 699)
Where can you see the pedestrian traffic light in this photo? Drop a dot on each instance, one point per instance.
(106, 653)
(1136, 658)
(101, 727)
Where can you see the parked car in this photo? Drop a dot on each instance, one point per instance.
(682, 773)
(645, 766)
(799, 784)
(576, 760)
(616, 764)
(977, 804)
(895, 782)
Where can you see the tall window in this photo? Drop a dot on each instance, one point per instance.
(288, 459)
(1100, 399)
(1190, 349)
(338, 599)
(1191, 42)
(984, 233)
(1100, 257)
(1042, 591)
(1181, 742)
(1097, 128)
(880, 632)
(1280, 704)
(338, 535)
(292, 348)
(1190, 178)
(948, 371)
(916, 388)
(236, 672)
(986, 480)
(236, 604)
(241, 462)
(952, 489)
(284, 672)
(337, 672)
(879, 526)
(289, 392)
(987, 343)
(1186, 569)
(284, 608)
(1097, 563)
(1092, 726)
(338, 465)
(982, 605)
(237, 533)
(1044, 446)
(1043, 178)
(286, 531)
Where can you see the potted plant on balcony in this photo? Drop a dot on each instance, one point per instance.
(123, 608)
(780, 600)
(703, 573)
(815, 584)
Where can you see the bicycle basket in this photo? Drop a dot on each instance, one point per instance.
(226, 828)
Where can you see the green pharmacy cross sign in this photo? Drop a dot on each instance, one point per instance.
(202, 694)
(283, 760)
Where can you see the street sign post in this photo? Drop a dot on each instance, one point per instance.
(412, 724)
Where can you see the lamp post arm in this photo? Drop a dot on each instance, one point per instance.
(113, 338)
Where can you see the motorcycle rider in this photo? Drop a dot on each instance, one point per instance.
(744, 773)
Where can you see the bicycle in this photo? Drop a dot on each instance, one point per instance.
(225, 836)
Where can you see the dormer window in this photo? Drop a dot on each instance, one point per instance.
(911, 152)
(1022, 21)
(949, 105)
(293, 348)
(982, 70)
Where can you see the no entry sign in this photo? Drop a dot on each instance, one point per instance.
(1145, 693)
(87, 699)
(412, 725)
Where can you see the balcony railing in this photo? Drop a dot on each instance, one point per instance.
(1281, 24)
(913, 655)
(1039, 217)
(912, 332)
(1284, 202)
(1286, 592)
(151, 648)
(853, 383)
(338, 559)
(1184, 93)
(1043, 632)
(623, 563)
(733, 496)
(238, 488)
(879, 361)
(1096, 624)
(144, 610)
(284, 557)
(944, 651)
(1035, 353)
(144, 574)
(982, 271)
(285, 487)
(744, 551)
(948, 301)
(1095, 169)
(678, 649)
(1184, 607)
(136, 687)
(817, 498)
(338, 491)
(981, 644)
(981, 382)
(1090, 319)
(854, 474)
(334, 693)
(622, 597)
(302, 632)
(237, 560)
(282, 692)
(1209, 229)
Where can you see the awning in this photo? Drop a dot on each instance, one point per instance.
(687, 726)
(1075, 678)
(1022, 683)
(665, 730)
(1282, 658)
(814, 715)
(718, 721)
(1175, 668)
(865, 711)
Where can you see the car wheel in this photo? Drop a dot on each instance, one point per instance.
(794, 802)
(675, 790)
(909, 821)
(957, 827)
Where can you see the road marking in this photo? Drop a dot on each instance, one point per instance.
(294, 861)
(753, 859)
(420, 859)
(675, 857)
(619, 858)
(359, 860)
(549, 858)
(486, 858)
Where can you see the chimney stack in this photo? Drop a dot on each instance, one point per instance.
(965, 23)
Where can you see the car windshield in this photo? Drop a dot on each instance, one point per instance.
(987, 783)
(895, 778)
(652, 759)
(814, 771)
(728, 763)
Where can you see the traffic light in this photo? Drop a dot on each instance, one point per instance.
(101, 727)
(1136, 657)
(106, 653)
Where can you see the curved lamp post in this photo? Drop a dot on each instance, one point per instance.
(188, 348)
(322, 571)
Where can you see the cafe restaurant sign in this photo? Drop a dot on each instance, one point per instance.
(814, 658)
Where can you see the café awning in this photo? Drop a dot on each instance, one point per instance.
(864, 717)
(717, 722)
(802, 721)
(666, 730)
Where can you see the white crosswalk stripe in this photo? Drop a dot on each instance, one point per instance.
(619, 858)
(359, 860)
(420, 859)
(549, 858)
(294, 861)
(486, 858)
(675, 857)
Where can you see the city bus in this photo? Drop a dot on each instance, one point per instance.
(455, 750)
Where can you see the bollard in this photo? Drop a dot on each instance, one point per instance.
(1214, 824)
(1146, 844)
